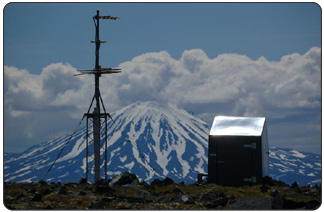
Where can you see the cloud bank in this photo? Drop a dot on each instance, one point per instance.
(229, 84)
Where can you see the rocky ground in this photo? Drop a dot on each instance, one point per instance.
(126, 192)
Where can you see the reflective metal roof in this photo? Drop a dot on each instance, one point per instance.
(229, 125)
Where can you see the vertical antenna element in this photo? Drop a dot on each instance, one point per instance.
(96, 20)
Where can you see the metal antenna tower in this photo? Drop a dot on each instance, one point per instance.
(97, 115)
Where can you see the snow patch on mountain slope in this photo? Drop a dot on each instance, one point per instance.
(298, 154)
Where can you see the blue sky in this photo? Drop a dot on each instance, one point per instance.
(38, 34)
(45, 42)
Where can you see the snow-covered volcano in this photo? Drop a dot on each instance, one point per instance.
(152, 141)
(165, 141)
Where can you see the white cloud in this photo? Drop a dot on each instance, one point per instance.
(251, 86)
(231, 84)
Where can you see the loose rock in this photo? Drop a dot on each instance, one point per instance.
(252, 204)
(264, 188)
(42, 182)
(37, 198)
(295, 185)
(166, 181)
(83, 181)
(103, 189)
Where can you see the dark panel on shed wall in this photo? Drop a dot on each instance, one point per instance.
(232, 159)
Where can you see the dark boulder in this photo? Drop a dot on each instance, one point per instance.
(124, 179)
(264, 188)
(45, 191)
(271, 182)
(219, 202)
(127, 178)
(176, 190)
(31, 191)
(291, 204)
(295, 185)
(313, 204)
(103, 182)
(145, 184)
(166, 181)
(20, 196)
(101, 189)
(214, 199)
(63, 191)
(204, 198)
(83, 181)
(84, 193)
(156, 182)
(37, 198)
(42, 182)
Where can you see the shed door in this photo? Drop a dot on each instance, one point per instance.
(234, 161)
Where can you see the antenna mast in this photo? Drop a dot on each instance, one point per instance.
(96, 115)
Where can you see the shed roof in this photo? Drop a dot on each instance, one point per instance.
(242, 126)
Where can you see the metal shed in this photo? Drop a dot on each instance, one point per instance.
(238, 151)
